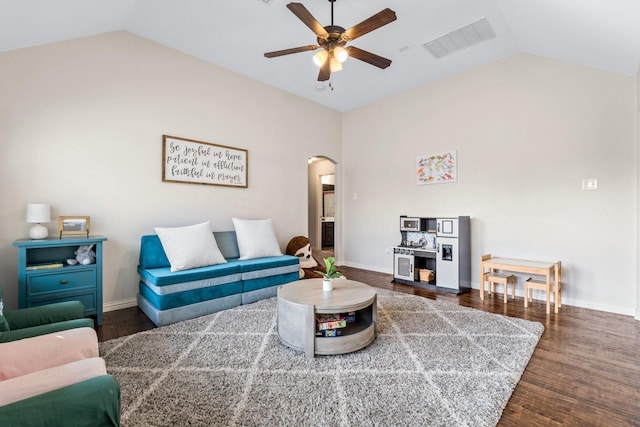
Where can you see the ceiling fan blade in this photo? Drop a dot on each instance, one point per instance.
(374, 22)
(305, 16)
(325, 70)
(368, 57)
(290, 51)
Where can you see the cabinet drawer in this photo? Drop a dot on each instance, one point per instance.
(87, 299)
(62, 281)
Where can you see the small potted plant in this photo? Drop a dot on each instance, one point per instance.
(329, 274)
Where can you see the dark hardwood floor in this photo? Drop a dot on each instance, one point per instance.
(585, 370)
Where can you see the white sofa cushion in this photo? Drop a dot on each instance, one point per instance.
(256, 238)
(190, 247)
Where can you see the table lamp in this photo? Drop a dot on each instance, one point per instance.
(38, 213)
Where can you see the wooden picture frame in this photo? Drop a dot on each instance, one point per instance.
(74, 225)
(196, 162)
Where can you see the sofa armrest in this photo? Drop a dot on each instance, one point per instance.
(94, 402)
(152, 253)
(46, 351)
(46, 380)
(50, 328)
(44, 314)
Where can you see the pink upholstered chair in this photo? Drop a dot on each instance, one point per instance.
(33, 366)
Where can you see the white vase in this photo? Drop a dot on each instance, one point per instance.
(327, 285)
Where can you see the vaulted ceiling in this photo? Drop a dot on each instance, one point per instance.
(234, 34)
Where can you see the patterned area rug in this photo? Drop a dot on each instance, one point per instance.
(432, 364)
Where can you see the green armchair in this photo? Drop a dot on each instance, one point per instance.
(57, 379)
(91, 403)
(46, 319)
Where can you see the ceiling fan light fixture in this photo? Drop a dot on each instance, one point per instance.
(341, 54)
(331, 40)
(335, 65)
(320, 57)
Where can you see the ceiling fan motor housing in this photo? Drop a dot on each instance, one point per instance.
(333, 38)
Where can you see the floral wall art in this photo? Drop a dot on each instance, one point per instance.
(436, 168)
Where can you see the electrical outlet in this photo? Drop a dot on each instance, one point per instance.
(590, 184)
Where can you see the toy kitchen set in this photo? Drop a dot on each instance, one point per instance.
(434, 253)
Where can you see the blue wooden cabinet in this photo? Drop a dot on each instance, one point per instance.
(41, 282)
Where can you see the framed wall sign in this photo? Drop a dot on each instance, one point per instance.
(195, 162)
(72, 225)
(437, 168)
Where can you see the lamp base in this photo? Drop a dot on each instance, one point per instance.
(38, 232)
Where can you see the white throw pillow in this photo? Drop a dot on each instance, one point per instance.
(256, 238)
(190, 247)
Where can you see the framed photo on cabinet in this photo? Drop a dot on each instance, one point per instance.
(74, 225)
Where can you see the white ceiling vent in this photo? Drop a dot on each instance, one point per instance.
(461, 38)
(266, 2)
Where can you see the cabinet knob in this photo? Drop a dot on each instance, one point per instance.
(63, 282)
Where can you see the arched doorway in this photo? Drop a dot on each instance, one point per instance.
(322, 206)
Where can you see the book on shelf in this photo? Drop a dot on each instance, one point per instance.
(45, 266)
(350, 317)
(330, 321)
(329, 333)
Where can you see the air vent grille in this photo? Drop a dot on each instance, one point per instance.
(461, 38)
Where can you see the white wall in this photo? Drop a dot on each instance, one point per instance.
(81, 125)
(638, 177)
(527, 130)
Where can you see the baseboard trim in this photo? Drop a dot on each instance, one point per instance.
(540, 297)
(119, 305)
(367, 267)
(626, 311)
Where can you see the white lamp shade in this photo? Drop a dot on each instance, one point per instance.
(341, 54)
(320, 57)
(335, 65)
(38, 212)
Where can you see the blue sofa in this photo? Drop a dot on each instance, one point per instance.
(168, 297)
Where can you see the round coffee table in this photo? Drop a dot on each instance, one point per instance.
(301, 303)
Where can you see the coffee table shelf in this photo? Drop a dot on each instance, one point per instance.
(299, 302)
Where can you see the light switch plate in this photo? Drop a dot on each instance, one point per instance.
(590, 184)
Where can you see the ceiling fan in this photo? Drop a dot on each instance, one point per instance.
(333, 38)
